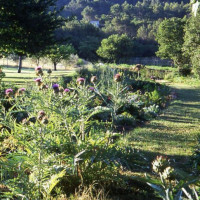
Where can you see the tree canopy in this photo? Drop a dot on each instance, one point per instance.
(115, 47)
(32, 29)
(191, 46)
(27, 27)
(170, 39)
(139, 20)
(57, 52)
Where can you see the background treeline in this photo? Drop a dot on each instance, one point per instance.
(139, 20)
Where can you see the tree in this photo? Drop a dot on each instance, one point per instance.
(170, 39)
(115, 10)
(127, 8)
(27, 27)
(84, 37)
(88, 47)
(56, 53)
(191, 46)
(120, 25)
(88, 13)
(115, 47)
(143, 32)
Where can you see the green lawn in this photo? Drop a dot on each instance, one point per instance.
(168, 68)
(28, 75)
(174, 133)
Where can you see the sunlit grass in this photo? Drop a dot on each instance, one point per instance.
(174, 133)
(28, 75)
(168, 68)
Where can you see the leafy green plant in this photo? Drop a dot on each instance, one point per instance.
(196, 158)
(80, 62)
(151, 111)
(172, 184)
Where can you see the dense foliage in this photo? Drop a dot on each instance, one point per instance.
(59, 137)
(115, 47)
(27, 27)
(180, 41)
(170, 38)
(139, 20)
(192, 42)
(92, 22)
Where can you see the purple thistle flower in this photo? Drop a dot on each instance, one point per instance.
(91, 88)
(38, 80)
(80, 81)
(66, 90)
(38, 68)
(8, 91)
(22, 89)
(55, 86)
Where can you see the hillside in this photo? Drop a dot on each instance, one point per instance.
(66, 2)
(103, 6)
(139, 20)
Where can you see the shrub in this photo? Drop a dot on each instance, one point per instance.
(185, 70)
(80, 62)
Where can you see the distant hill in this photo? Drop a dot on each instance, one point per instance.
(138, 19)
(75, 7)
(66, 2)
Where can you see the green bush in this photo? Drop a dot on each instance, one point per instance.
(185, 70)
(80, 62)
(125, 119)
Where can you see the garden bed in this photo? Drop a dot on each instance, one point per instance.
(58, 136)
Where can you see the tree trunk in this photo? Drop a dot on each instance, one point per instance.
(20, 64)
(55, 64)
(37, 61)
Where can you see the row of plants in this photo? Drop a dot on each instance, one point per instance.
(151, 73)
(60, 136)
(154, 73)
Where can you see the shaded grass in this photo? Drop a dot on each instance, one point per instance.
(174, 133)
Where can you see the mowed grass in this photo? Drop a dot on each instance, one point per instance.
(167, 68)
(175, 132)
(28, 75)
